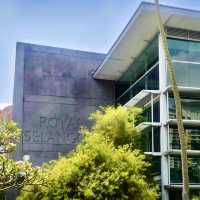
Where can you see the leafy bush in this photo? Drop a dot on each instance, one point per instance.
(196, 198)
(103, 166)
(117, 125)
(13, 174)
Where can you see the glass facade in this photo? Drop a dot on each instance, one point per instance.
(193, 141)
(186, 59)
(190, 108)
(148, 82)
(152, 139)
(142, 74)
(184, 50)
(156, 165)
(175, 170)
(147, 113)
(191, 69)
(185, 54)
(155, 168)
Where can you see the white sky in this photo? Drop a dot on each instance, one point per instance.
(3, 105)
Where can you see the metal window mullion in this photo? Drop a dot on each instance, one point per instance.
(152, 139)
(169, 164)
(168, 138)
(186, 62)
(167, 106)
(182, 38)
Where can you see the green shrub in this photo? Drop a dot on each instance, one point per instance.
(103, 166)
(13, 174)
(117, 124)
(196, 198)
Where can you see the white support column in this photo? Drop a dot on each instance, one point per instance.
(152, 121)
(163, 120)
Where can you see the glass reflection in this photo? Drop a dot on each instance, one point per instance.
(148, 82)
(190, 108)
(140, 66)
(186, 56)
(185, 50)
(193, 138)
(193, 169)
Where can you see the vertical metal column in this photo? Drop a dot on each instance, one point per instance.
(152, 120)
(163, 120)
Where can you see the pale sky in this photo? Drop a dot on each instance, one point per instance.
(90, 25)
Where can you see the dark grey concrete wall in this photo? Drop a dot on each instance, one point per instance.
(53, 95)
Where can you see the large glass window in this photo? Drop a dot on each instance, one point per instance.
(148, 140)
(193, 169)
(152, 80)
(144, 62)
(140, 66)
(184, 50)
(185, 54)
(152, 139)
(190, 108)
(156, 139)
(156, 165)
(148, 82)
(155, 168)
(193, 138)
(147, 113)
(187, 74)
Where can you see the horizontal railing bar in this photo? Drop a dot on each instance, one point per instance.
(146, 73)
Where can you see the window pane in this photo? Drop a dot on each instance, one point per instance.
(184, 50)
(153, 79)
(172, 108)
(144, 62)
(187, 74)
(132, 92)
(156, 165)
(148, 140)
(193, 141)
(190, 108)
(156, 112)
(120, 88)
(137, 69)
(174, 142)
(193, 169)
(156, 137)
(147, 115)
(151, 82)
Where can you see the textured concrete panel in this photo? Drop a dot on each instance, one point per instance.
(56, 95)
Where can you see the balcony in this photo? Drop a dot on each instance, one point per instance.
(143, 98)
(148, 81)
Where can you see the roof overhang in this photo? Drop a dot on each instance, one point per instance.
(140, 30)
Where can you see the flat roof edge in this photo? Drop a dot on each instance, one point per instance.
(144, 6)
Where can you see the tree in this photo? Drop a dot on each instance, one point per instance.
(196, 198)
(181, 131)
(105, 165)
(13, 174)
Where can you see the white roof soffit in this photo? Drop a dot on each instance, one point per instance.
(140, 30)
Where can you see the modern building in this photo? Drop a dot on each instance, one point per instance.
(56, 89)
